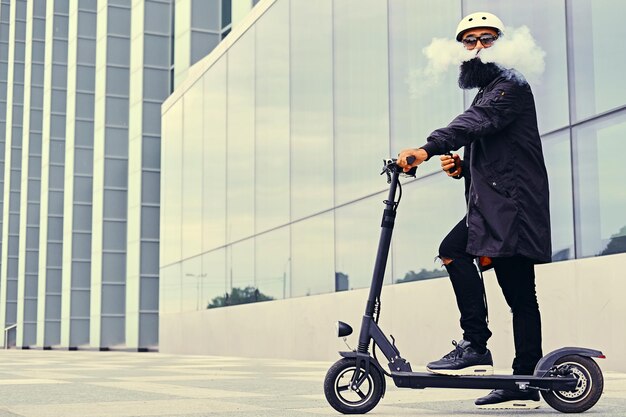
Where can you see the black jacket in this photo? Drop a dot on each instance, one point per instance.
(506, 184)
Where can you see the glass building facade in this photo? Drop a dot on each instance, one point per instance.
(271, 151)
(81, 88)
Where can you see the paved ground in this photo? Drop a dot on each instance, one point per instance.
(96, 384)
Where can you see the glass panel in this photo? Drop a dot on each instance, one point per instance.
(357, 231)
(557, 150)
(83, 161)
(201, 44)
(116, 142)
(85, 78)
(240, 272)
(151, 123)
(415, 246)
(149, 258)
(205, 14)
(57, 151)
(60, 27)
(600, 194)
(54, 255)
(191, 283)
(36, 120)
(86, 52)
(192, 171)
(149, 295)
(39, 8)
(82, 217)
(61, 6)
(150, 223)
(416, 107)
(59, 101)
(81, 246)
(551, 95)
(214, 183)
(171, 180)
(117, 81)
(84, 133)
(361, 114)
(115, 173)
(114, 235)
(118, 51)
(55, 228)
(151, 189)
(313, 256)
(113, 267)
(87, 24)
(155, 84)
(57, 127)
(116, 111)
(88, 5)
(213, 285)
(113, 299)
(115, 204)
(84, 105)
(57, 177)
(83, 187)
(226, 12)
(272, 119)
(38, 53)
(81, 274)
(154, 51)
(597, 68)
(311, 107)
(240, 184)
(157, 17)
(273, 264)
(119, 21)
(151, 153)
(59, 51)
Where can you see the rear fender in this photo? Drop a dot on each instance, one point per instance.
(548, 361)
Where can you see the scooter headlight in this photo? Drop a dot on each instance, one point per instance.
(343, 329)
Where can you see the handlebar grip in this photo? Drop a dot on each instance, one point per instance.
(454, 168)
(410, 159)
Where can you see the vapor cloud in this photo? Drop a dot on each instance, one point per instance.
(516, 50)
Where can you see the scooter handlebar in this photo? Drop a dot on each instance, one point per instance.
(391, 166)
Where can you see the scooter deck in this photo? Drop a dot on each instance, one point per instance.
(513, 382)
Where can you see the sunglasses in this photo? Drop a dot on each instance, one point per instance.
(486, 40)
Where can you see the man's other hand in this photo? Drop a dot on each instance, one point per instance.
(449, 163)
(419, 155)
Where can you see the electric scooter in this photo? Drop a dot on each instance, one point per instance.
(567, 378)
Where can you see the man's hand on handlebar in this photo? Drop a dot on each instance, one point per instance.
(410, 158)
(451, 164)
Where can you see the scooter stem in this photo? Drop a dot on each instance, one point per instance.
(389, 216)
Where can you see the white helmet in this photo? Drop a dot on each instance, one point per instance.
(479, 20)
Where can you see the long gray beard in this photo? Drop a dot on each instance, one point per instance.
(477, 74)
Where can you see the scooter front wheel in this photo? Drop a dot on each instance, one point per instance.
(588, 389)
(342, 397)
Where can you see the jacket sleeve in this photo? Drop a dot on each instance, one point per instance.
(490, 114)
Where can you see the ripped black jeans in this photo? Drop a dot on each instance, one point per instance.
(516, 276)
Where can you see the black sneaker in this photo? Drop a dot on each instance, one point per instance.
(504, 398)
(463, 360)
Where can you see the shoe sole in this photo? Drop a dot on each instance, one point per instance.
(513, 404)
(478, 370)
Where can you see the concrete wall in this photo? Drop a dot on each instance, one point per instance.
(581, 304)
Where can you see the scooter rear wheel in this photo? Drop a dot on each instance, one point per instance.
(346, 400)
(588, 390)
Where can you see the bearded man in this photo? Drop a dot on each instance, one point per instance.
(507, 223)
